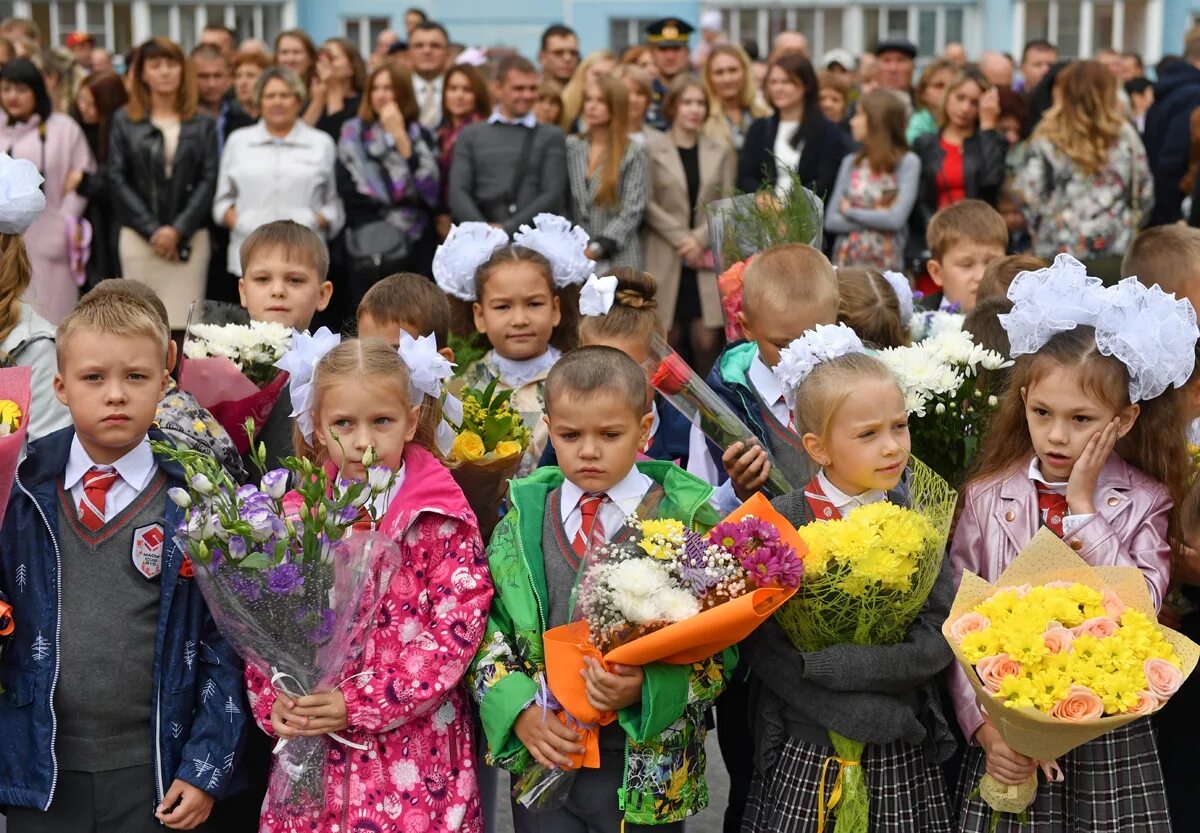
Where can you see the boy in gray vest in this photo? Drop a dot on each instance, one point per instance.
(121, 706)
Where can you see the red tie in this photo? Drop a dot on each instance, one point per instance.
(590, 528)
(96, 484)
(1053, 507)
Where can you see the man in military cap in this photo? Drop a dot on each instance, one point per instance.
(668, 38)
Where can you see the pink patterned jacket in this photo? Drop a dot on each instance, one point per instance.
(417, 774)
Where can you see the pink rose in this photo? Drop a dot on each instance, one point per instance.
(992, 670)
(1113, 605)
(1081, 703)
(968, 623)
(1022, 590)
(1163, 678)
(1146, 703)
(1058, 639)
(1100, 627)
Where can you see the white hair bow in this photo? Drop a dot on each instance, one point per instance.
(800, 358)
(21, 195)
(301, 362)
(561, 243)
(597, 295)
(465, 249)
(904, 294)
(427, 368)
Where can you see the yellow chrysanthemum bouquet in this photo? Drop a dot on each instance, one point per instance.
(488, 443)
(866, 578)
(1059, 652)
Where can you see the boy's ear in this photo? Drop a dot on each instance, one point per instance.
(326, 294)
(172, 355)
(934, 268)
(816, 449)
(242, 293)
(644, 427)
(60, 390)
(744, 323)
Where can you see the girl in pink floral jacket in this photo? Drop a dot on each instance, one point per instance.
(403, 697)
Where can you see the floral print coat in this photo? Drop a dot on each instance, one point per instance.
(411, 709)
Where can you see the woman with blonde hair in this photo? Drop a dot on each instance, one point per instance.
(734, 100)
(606, 174)
(1084, 185)
(596, 65)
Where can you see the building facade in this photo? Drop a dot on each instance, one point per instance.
(1079, 27)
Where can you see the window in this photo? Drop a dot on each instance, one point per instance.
(1111, 24)
(364, 31)
(624, 32)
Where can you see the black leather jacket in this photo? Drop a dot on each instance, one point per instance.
(144, 196)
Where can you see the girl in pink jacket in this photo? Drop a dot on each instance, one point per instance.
(1088, 442)
(403, 698)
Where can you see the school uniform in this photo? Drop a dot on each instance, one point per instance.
(885, 695)
(1113, 783)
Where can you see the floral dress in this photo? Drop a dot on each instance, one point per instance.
(407, 702)
(868, 247)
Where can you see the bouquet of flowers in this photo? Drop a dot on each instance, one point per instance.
(661, 593)
(1059, 652)
(729, 287)
(230, 370)
(947, 386)
(927, 323)
(285, 575)
(490, 438)
(866, 578)
(671, 376)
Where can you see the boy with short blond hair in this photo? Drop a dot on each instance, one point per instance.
(598, 413)
(963, 239)
(121, 708)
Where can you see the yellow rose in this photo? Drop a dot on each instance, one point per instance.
(10, 416)
(467, 447)
(507, 448)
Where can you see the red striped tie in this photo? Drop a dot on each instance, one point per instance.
(96, 484)
(590, 529)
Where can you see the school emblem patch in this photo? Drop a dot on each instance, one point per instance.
(147, 550)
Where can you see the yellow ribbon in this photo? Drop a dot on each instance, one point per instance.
(835, 794)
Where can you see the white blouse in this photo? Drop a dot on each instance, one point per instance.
(267, 178)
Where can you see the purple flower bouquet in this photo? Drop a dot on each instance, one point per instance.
(289, 578)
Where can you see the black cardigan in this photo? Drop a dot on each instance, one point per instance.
(825, 144)
(983, 174)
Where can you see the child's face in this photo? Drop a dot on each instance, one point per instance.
(596, 438)
(517, 311)
(1063, 416)
(960, 270)
(355, 416)
(389, 331)
(112, 385)
(833, 104)
(772, 330)
(868, 443)
(285, 291)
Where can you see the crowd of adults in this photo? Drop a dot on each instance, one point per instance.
(158, 173)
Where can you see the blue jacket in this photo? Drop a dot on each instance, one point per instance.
(199, 722)
(1168, 138)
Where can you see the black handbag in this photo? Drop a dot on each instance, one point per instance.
(377, 246)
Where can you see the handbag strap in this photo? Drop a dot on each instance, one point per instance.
(510, 197)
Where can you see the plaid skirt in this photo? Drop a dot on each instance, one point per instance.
(1113, 784)
(907, 793)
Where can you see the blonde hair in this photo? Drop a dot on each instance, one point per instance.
(115, 314)
(972, 220)
(616, 98)
(717, 125)
(300, 244)
(1085, 120)
(868, 305)
(365, 361)
(820, 395)
(15, 273)
(1166, 255)
(784, 277)
(573, 94)
(634, 313)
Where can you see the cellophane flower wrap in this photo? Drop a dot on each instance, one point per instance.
(1059, 652)
(660, 592)
(674, 378)
(866, 578)
(284, 574)
(14, 426)
(230, 369)
(948, 388)
(490, 439)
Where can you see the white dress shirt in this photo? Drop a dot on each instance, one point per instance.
(528, 120)
(1070, 522)
(623, 500)
(431, 115)
(518, 372)
(844, 503)
(700, 460)
(268, 178)
(136, 469)
(787, 157)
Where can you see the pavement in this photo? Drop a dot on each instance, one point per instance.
(709, 821)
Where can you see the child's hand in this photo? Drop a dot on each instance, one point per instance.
(547, 738)
(184, 807)
(615, 690)
(1004, 764)
(1081, 486)
(748, 468)
(309, 716)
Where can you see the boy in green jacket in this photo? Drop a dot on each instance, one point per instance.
(652, 758)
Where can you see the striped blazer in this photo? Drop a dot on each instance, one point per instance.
(618, 223)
